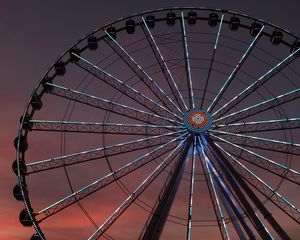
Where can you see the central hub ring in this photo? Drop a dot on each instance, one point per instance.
(197, 120)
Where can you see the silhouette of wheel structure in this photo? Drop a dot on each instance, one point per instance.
(168, 124)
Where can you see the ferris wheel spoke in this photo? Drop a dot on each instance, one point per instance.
(275, 197)
(164, 67)
(96, 127)
(212, 61)
(205, 160)
(98, 153)
(264, 162)
(143, 75)
(110, 106)
(263, 143)
(261, 106)
(187, 62)
(123, 88)
(134, 195)
(212, 198)
(192, 182)
(108, 179)
(235, 71)
(261, 126)
(232, 216)
(255, 85)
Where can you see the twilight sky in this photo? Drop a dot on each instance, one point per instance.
(35, 33)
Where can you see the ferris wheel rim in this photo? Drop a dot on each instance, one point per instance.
(20, 133)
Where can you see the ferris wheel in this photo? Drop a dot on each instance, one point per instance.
(169, 124)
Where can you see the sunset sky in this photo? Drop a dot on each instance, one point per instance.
(34, 34)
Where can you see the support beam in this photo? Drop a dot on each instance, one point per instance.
(232, 205)
(233, 218)
(211, 194)
(157, 223)
(265, 189)
(233, 176)
(259, 226)
(261, 161)
(221, 219)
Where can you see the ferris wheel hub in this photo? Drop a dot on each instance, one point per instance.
(197, 120)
